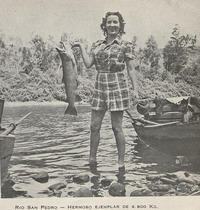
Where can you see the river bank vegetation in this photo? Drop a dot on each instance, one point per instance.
(34, 72)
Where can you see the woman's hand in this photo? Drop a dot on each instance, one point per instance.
(77, 44)
(135, 97)
(87, 59)
(135, 94)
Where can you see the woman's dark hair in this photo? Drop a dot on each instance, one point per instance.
(121, 21)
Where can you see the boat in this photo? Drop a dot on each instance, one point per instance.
(7, 142)
(6, 147)
(170, 125)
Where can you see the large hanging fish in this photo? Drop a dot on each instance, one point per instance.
(69, 78)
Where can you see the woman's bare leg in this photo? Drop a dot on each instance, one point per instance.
(96, 121)
(116, 119)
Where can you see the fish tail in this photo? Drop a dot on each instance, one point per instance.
(78, 98)
(71, 110)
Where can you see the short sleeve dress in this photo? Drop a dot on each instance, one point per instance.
(111, 88)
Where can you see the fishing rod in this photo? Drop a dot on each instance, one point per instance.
(12, 126)
(140, 119)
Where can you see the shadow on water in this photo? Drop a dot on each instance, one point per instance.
(166, 162)
(58, 144)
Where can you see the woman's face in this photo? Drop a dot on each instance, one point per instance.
(112, 25)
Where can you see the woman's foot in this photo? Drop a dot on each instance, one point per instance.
(121, 174)
(93, 168)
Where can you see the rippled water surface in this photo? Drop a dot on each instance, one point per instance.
(56, 143)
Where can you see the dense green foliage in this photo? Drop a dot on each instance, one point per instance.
(33, 72)
(181, 57)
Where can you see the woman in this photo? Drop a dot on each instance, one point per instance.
(111, 89)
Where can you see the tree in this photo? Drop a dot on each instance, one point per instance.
(134, 40)
(151, 53)
(175, 52)
(149, 58)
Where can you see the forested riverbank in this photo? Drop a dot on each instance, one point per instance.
(34, 72)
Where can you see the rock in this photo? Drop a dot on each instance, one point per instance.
(94, 179)
(172, 191)
(83, 192)
(139, 185)
(184, 177)
(195, 193)
(81, 178)
(117, 189)
(71, 193)
(142, 192)
(184, 187)
(159, 193)
(56, 193)
(186, 174)
(183, 161)
(171, 176)
(154, 177)
(187, 180)
(168, 181)
(57, 186)
(159, 187)
(195, 188)
(196, 178)
(41, 177)
(106, 182)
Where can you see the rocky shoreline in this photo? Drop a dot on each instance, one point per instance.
(180, 183)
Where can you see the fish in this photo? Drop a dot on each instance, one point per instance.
(70, 76)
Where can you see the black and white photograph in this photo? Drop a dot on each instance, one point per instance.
(100, 104)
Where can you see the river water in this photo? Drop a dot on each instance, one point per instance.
(58, 144)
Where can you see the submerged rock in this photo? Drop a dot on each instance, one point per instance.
(117, 189)
(83, 192)
(169, 181)
(58, 186)
(184, 187)
(106, 182)
(159, 187)
(154, 177)
(81, 178)
(141, 192)
(41, 177)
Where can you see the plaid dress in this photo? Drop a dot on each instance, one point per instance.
(111, 88)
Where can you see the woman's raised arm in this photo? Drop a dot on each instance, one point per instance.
(87, 58)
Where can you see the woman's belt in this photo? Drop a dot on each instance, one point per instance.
(113, 69)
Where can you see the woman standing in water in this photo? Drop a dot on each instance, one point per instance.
(111, 88)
